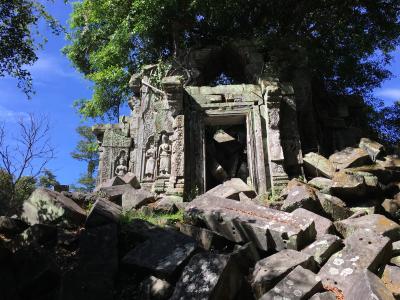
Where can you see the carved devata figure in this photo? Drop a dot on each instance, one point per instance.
(165, 157)
(150, 162)
(121, 164)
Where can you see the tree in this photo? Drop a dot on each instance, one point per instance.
(20, 38)
(345, 45)
(48, 179)
(23, 157)
(87, 151)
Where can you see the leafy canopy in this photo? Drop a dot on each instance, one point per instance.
(20, 38)
(347, 43)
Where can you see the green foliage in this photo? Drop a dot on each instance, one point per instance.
(87, 151)
(20, 38)
(385, 122)
(156, 219)
(344, 45)
(48, 179)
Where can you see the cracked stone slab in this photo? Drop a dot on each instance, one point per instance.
(239, 222)
(350, 157)
(334, 207)
(162, 254)
(322, 224)
(367, 285)
(208, 276)
(363, 250)
(270, 270)
(301, 196)
(103, 212)
(317, 165)
(391, 279)
(323, 248)
(232, 189)
(298, 284)
(374, 222)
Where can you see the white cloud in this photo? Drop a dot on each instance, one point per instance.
(393, 94)
(10, 116)
(49, 66)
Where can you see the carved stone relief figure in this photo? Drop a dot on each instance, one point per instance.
(150, 162)
(121, 164)
(165, 157)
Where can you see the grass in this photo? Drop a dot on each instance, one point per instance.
(156, 219)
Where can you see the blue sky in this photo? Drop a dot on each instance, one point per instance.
(57, 85)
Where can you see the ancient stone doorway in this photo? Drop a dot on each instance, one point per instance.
(226, 151)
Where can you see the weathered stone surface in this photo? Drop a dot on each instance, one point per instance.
(78, 197)
(348, 185)
(350, 157)
(169, 204)
(134, 199)
(130, 178)
(391, 280)
(377, 223)
(324, 296)
(116, 180)
(11, 226)
(242, 222)
(317, 165)
(208, 276)
(396, 248)
(298, 284)
(154, 288)
(395, 261)
(162, 254)
(36, 235)
(322, 225)
(392, 207)
(367, 285)
(115, 192)
(363, 250)
(390, 162)
(231, 189)
(272, 269)
(45, 206)
(301, 196)
(207, 239)
(334, 207)
(321, 183)
(323, 248)
(374, 149)
(103, 212)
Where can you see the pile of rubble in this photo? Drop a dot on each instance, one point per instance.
(334, 237)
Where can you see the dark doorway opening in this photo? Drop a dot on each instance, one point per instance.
(226, 153)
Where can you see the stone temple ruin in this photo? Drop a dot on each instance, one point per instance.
(189, 135)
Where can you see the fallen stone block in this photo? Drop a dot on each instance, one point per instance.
(374, 149)
(298, 284)
(323, 248)
(103, 212)
(270, 270)
(367, 285)
(154, 288)
(240, 222)
(130, 178)
(206, 239)
(391, 280)
(321, 183)
(350, 157)
(115, 192)
(134, 199)
(209, 276)
(114, 181)
(301, 196)
(11, 226)
(363, 250)
(162, 254)
(231, 189)
(322, 225)
(395, 261)
(347, 185)
(324, 296)
(316, 165)
(169, 204)
(390, 162)
(245, 256)
(377, 223)
(396, 248)
(37, 234)
(334, 207)
(45, 206)
(392, 207)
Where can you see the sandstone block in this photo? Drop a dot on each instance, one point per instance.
(206, 239)
(348, 185)
(219, 278)
(317, 165)
(116, 180)
(103, 212)
(377, 223)
(154, 288)
(45, 206)
(322, 225)
(323, 248)
(231, 189)
(115, 192)
(392, 207)
(334, 207)
(391, 280)
(374, 149)
(324, 296)
(242, 222)
(130, 178)
(134, 199)
(301, 196)
(321, 183)
(298, 284)
(272, 269)
(367, 285)
(11, 226)
(350, 157)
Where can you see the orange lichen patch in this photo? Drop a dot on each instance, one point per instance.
(389, 281)
(338, 292)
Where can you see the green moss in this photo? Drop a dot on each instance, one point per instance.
(156, 219)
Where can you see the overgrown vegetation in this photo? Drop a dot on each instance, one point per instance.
(153, 218)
